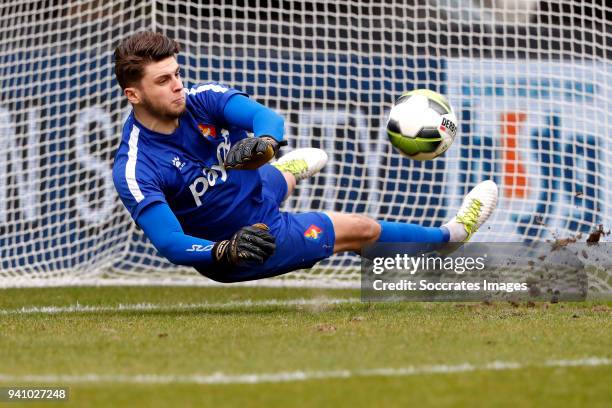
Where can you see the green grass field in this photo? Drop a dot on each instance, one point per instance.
(160, 347)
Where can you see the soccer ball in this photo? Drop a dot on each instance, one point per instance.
(422, 124)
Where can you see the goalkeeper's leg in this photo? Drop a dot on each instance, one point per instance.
(354, 231)
(303, 239)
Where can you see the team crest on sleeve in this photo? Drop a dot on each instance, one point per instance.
(313, 232)
(208, 131)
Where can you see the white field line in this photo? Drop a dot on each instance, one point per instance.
(144, 307)
(293, 376)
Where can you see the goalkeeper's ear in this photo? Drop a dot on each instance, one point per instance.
(132, 95)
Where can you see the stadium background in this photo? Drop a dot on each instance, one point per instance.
(534, 81)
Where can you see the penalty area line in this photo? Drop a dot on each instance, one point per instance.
(293, 376)
(145, 307)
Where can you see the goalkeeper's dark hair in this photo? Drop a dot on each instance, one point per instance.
(138, 50)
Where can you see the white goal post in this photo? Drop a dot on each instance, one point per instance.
(531, 82)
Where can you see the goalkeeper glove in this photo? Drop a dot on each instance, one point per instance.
(249, 244)
(252, 152)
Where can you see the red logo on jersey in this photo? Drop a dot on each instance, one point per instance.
(313, 232)
(208, 131)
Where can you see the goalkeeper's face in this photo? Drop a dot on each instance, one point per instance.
(160, 91)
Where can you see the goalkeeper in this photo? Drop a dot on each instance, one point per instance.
(204, 193)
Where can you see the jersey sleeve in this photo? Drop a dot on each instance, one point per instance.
(211, 98)
(138, 184)
(162, 227)
(254, 117)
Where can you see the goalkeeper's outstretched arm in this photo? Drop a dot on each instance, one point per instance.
(250, 115)
(249, 244)
(267, 126)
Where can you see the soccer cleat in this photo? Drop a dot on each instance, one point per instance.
(302, 163)
(477, 207)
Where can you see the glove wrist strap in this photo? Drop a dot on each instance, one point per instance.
(221, 252)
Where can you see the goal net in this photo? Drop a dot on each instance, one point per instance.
(530, 81)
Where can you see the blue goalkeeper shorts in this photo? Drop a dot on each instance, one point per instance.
(302, 239)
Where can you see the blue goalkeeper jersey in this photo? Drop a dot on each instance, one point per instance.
(185, 169)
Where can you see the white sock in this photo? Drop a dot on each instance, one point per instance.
(456, 230)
